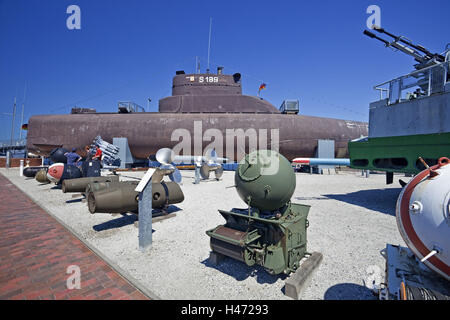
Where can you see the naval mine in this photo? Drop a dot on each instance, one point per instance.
(271, 232)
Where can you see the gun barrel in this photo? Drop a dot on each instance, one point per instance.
(412, 45)
(372, 35)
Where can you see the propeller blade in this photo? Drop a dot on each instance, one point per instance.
(204, 171)
(175, 176)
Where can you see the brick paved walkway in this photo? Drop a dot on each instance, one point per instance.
(35, 251)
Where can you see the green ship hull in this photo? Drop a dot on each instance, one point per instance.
(399, 154)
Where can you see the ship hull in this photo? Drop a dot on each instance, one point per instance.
(148, 132)
(399, 154)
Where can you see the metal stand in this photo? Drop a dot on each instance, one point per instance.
(145, 210)
(197, 175)
(404, 269)
(325, 149)
(125, 155)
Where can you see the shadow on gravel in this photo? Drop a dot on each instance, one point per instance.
(240, 271)
(381, 200)
(170, 209)
(76, 200)
(349, 291)
(125, 220)
(312, 198)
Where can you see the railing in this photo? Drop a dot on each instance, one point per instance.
(15, 143)
(129, 106)
(425, 82)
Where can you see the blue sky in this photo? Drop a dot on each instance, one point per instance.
(129, 50)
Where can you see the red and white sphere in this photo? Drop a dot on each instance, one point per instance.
(423, 216)
(55, 172)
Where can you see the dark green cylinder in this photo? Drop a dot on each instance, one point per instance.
(123, 198)
(30, 172)
(110, 185)
(80, 184)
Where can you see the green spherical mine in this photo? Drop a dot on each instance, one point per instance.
(265, 180)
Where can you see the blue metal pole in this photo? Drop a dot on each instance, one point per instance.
(329, 162)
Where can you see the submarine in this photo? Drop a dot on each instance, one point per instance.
(199, 101)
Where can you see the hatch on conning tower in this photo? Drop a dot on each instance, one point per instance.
(211, 93)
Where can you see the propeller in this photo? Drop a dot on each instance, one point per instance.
(175, 176)
(205, 169)
(165, 156)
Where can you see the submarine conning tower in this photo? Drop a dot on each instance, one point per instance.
(211, 93)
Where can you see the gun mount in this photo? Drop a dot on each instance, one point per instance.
(422, 55)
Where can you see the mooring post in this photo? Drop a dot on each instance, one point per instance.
(145, 210)
(197, 175)
(21, 168)
(8, 159)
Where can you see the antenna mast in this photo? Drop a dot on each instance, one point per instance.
(13, 120)
(209, 42)
(23, 107)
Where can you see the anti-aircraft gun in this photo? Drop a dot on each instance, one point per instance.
(271, 232)
(429, 77)
(422, 55)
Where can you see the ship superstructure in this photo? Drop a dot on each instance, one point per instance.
(412, 117)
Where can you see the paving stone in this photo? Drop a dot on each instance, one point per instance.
(35, 251)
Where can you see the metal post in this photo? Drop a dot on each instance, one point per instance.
(429, 83)
(209, 42)
(145, 210)
(197, 175)
(8, 159)
(13, 120)
(23, 107)
(145, 217)
(21, 168)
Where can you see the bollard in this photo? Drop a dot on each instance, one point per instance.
(21, 168)
(8, 159)
(197, 175)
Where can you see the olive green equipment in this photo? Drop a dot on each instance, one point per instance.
(111, 185)
(41, 176)
(119, 197)
(206, 168)
(271, 232)
(80, 184)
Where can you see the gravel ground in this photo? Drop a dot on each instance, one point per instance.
(351, 220)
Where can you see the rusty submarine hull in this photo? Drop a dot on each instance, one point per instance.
(199, 102)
